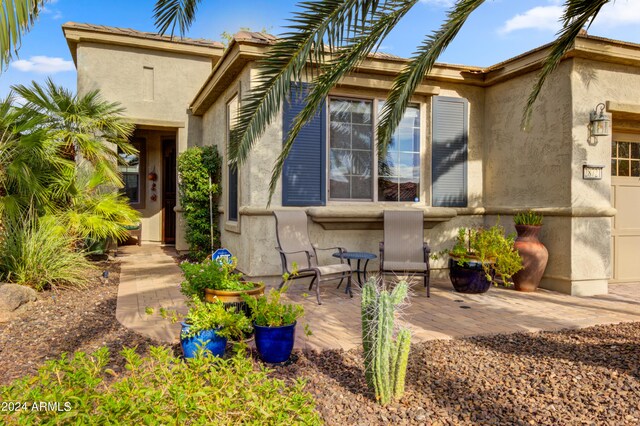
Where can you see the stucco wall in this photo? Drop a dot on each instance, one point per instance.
(214, 132)
(255, 243)
(593, 83)
(161, 93)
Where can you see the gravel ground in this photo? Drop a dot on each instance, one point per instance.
(589, 376)
(66, 321)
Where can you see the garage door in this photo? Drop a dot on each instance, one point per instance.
(625, 197)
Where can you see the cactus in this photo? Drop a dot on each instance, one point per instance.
(385, 357)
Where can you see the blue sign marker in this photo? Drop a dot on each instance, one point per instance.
(222, 255)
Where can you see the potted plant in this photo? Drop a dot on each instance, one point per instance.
(217, 280)
(208, 326)
(534, 254)
(480, 257)
(274, 324)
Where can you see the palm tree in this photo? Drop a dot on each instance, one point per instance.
(16, 18)
(327, 39)
(41, 173)
(81, 124)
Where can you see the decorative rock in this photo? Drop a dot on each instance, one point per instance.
(12, 296)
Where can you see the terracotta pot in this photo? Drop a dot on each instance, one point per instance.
(534, 258)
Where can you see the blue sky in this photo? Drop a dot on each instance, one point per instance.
(498, 30)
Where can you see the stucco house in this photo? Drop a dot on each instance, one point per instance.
(459, 155)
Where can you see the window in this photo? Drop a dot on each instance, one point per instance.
(131, 168)
(352, 159)
(625, 159)
(350, 149)
(399, 172)
(232, 172)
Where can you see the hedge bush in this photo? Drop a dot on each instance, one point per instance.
(195, 166)
(158, 389)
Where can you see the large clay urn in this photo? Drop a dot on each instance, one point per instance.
(534, 258)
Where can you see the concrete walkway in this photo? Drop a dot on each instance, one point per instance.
(150, 278)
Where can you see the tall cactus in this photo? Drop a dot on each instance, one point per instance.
(385, 355)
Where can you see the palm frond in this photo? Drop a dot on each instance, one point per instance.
(169, 13)
(577, 15)
(408, 80)
(300, 50)
(355, 50)
(16, 18)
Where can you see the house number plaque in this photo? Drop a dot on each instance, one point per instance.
(592, 172)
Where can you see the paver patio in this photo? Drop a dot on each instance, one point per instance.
(150, 277)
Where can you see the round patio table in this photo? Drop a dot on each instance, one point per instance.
(359, 256)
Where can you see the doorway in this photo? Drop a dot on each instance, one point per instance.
(168, 190)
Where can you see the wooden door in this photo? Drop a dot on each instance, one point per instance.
(168, 191)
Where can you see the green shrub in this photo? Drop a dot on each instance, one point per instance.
(211, 316)
(492, 248)
(158, 389)
(195, 168)
(211, 274)
(40, 254)
(269, 311)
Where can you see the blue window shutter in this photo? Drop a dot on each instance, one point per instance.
(449, 152)
(304, 173)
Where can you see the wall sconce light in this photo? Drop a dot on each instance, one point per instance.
(599, 121)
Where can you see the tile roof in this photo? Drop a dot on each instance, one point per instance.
(255, 37)
(145, 35)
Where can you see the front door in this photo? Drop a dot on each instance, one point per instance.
(168, 191)
(625, 197)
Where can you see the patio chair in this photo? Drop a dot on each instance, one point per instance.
(294, 247)
(403, 250)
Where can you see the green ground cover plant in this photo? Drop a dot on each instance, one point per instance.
(199, 185)
(158, 389)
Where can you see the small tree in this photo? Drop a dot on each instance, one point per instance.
(199, 186)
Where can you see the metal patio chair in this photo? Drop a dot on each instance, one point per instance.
(404, 250)
(294, 247)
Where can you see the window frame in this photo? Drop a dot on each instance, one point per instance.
(231, 224)
(140, 143)
(623, 138)
(375, 101)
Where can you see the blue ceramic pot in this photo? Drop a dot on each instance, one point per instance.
(209, 338)
(468, 277)
(275, 344)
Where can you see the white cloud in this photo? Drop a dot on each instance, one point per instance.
(439, 3)
(538, 18)
(547, 18)
(618, 13)
(43, 65)
(54, 13)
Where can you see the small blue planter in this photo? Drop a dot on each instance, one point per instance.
(275, 344)
(469, 277)
(209, 338)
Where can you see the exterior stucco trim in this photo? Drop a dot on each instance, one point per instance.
(75, 36)
(152, 123)
(555, 211)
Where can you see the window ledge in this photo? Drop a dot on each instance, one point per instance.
(372, 216)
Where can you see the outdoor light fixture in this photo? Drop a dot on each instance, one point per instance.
(599, 121)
